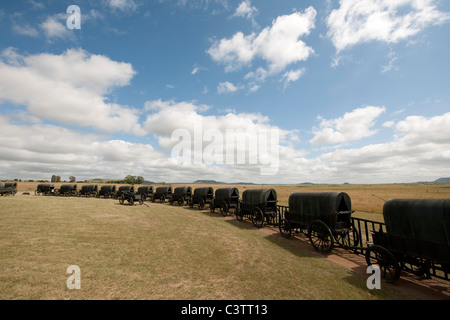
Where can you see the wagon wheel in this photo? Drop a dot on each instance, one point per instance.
(141, 201)
(162, 199)
(122, 199)
(348, 239)
(257, 217)
(321, 236)
(201, 204)
(131, 201)
(212, 207)
(181, 201)
(36, 193)
(389, 267)
(285, 228)
(171, 201)
(224, 209)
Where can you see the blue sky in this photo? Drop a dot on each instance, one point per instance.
(357, 91)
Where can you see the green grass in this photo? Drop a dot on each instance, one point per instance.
(158, 252)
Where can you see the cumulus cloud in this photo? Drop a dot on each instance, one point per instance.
(122, 5)
(54, 28)
(226, 87)
(418, 152)
(292, 76)
(358, 21)
(69, 88)
(245, 10)
(40, 150)
(279, 45)
(352, 126)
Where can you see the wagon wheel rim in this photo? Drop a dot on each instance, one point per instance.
(131, 201)
(321, 237)
(348, 239)
(257, 217)
(181, 201)
(385, 260)
(285, 229)
(121, 200)
(224, 209)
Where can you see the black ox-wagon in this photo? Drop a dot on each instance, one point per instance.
(45, 189)
(146, 192)
(324, 216)
(181, 195)
(417, 239)
(89, 190)
(107, 191)
(202, 197)
(225, 199)
(258, 204)
(67, 190)
(162, 194)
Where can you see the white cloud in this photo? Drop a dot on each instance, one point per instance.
(226, 87)
(418, 152)
(388, 124)
(245, 10)
(38, 151)
(197, 69)
(55, 28)
(279, 45)
(352, 126)
(69, 88)
(123, 5)
(25, 30)
(358, 21)
(292, 76)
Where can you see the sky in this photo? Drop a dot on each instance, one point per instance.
(262, 91)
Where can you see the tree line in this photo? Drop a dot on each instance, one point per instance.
(129, 179)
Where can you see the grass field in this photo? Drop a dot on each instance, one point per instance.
(159, 251)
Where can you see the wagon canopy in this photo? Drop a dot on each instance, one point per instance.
(161, 190)
(226, 193)
(425, 220)
(45, 187)
(126, 189)
(68, 187)
(89, 187)
(305, 207)
(107, 188)
(182, 190)
(207, 191)
(145, 189)
(258, 196)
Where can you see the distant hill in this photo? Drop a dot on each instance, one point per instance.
(442, 180)
(208, 181)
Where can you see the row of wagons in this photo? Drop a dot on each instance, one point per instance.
(415, 236)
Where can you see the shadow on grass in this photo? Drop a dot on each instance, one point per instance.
(244, 224)
(295, 246)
